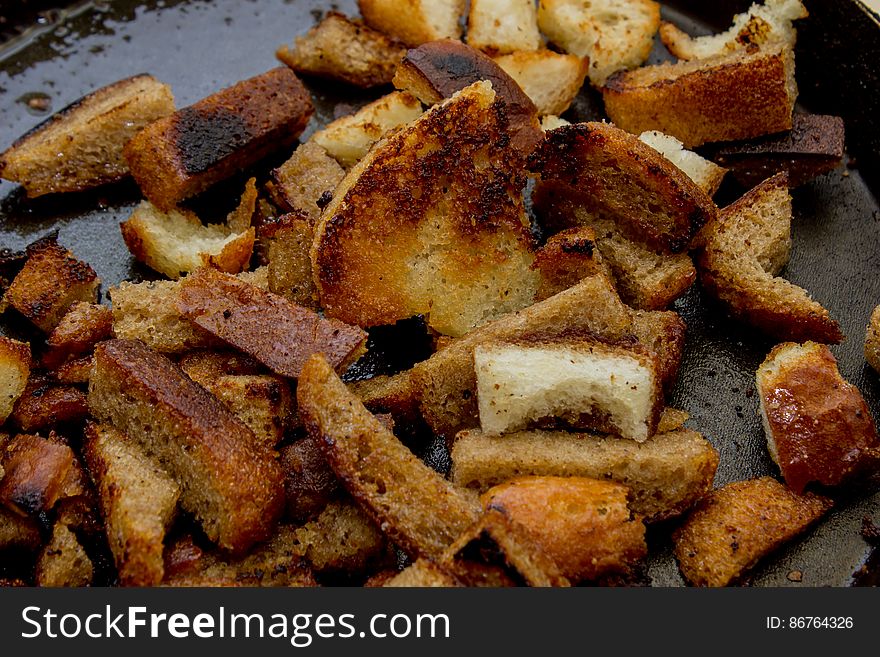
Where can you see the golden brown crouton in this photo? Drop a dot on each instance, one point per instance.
(663, 333)
(342, 49)
(81, 328)
(299, 185)
(733, 527)
(419, 510)
(75, 371)
(567, 258)
(233, 486)
(290, 266)
(423, 573)
(241, 218)
(137, 500)
(740, 95)
(183, 154)
(50, 282)
(81, 146)
(18, 532)
(44, 404)
(414, 21)
(15, 367)
(341, 538)
(872, 340)
(63, 561)
(818, 426)
(394, 394)
(550, 79)
(266, 326)
(503, 26)
(309, 482)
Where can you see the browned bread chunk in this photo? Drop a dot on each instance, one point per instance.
(309, 482)
(414, 21)
(343, 539)
(394, 394)
(552, 80)
(15, 367)
(872, 340)
(77, 370)
(567, 258)
(423, 573)
(44, 404)
(289, 239)
(663, 333)
(81, 328)
(18, 532)
(300, 184)
(503, 26)
(63, 561)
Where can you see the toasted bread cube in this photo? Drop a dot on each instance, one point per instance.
(503, 26)
(342, 49)
(63, 561)
(567, 258)
(735, 526)
(80, 147)
(663, 333)
(395, 395)
(578, 383)
(744, 94)
(423, 573)
(757, 26)
(38, 473)
(583, 525)
(184, 154)
(706, 174)
(309, 482)
(611, 34)
(18, 532)
(75, 371)
(137, 499)
(818, 426)
(290, 265)
(43, 404)
(232, 485)
(550, 79)
(667, 474)
(206, 365)
(743, 256)
(418, 509)
(342, 539)
(349, 138)
(416, 21)
(81, 328)
(300, 184)
(872, 340)
(50, 282)
(15, 367)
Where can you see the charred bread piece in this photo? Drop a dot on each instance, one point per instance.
(733, 527)
(63, 561)
(266, 326)
(309, 482)
(813, 146)
(583, 525)
(455, 241)
(15, 368)
(706, 174)
(44, 404)
(299, 185)
(872, 340)
(416, 21)
(576, 382)
(80, 147)
(18, 532)
(50, 282)
(550, 79)
(740, 95)
(418, 509)
(423, 573)
(181, 155)
(818, 426)
(339, 48)
(667, 473)
(289, 239)
(137, 500)
(342, 539)
(503, 26)
(759, 25)
(613, 175)
(567, 258)
(81, 328)
(611, 34)
(743, 256)
(348, 139)
(231, 485)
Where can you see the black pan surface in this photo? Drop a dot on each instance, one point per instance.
(199, 47)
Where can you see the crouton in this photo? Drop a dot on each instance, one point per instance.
(760, 24)
(818, 426)
(663, 333)
(740, 95)
(551, 122)
(583, 525)
(81, 328)
(241, 218)
(707, 175)
(503, 26)
(43, 404)
(414, 21)
(63, 561)
(455, 244)
(573, 381)
(733, 527)
(309, 482)
(743, 256)
(342, 538)
(15, 367)
(567, 258)
(266, 326)
(184, 154)
(80, 147)
(423, 573)
(550, 79)
(50, 282)
(18, 532)
(299, 185)
(289, 240)
(612, 34)
(394, 394)
(230, 484)
(418, 509)
(75, 371)
(137, 500)
(667, 474)
(349, 138)
(204, 365)
(872, 340)
(672, 419)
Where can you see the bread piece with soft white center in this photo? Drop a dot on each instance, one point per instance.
(706, 174)
(503, 26)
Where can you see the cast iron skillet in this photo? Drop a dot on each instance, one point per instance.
(199, 47)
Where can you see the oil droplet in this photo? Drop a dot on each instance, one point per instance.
(37, 103)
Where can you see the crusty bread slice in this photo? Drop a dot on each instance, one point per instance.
(454, 241)
(233, 486)
(611, 34)
(348, 139)
(705, 173)
(63, 561)
(567, 258)
(739, 95)
(342, 539)
(289, 240)
(735, 526)
(309, 482)
(137, 499)
(550, 79)
(81, 146)
(184, 154)
(872, 340)
(818, 426)
(667, 474)
(15, 367)
(503, 26)
(299, 185)
(342, 49)
(743, 256)
(415, 21)
(580, 383)
(756, 26)
(81, 328)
